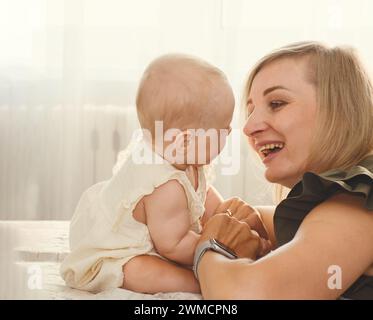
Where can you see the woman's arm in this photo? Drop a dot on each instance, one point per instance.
(336, 235)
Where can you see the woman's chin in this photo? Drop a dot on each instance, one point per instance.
(275, 176)
(287, 179)
(271, 175)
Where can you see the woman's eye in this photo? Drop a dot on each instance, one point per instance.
(276, 104)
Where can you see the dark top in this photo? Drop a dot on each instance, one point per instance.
(314, 189)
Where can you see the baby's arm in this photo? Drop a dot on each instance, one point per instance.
(168, 221)
(213, 201)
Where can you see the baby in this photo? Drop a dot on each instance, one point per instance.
(159, 197)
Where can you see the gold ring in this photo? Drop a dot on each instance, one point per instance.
(229, 212)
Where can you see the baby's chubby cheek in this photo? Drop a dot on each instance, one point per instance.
(214, 146)
(206, 146)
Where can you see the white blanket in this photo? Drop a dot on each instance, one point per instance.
(31, 259)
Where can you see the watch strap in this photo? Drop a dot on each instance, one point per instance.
(214, 245)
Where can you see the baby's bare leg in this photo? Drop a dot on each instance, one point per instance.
(151, 274)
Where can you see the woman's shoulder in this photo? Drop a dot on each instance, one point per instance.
(335, 187)
(344, 208)
(358, 180)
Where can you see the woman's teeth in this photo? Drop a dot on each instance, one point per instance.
(268, 148)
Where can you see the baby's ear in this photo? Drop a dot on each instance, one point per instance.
(184, 140)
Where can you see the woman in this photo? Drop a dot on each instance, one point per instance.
(316, 104)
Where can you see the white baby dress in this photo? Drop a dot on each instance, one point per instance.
(103, 233)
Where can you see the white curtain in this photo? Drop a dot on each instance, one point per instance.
(69, 71)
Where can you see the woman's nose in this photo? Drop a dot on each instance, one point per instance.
(255, 123)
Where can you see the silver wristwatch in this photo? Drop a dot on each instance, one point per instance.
(213, 245)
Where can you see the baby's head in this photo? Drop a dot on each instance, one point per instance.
(179, 99)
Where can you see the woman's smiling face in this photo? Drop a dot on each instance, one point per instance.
(282, 112)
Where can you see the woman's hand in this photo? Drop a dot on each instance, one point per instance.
(234, 234)
(243, 212)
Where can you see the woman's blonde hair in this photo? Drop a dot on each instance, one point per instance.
(344, 125)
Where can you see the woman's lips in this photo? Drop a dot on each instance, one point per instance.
(271, 156)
